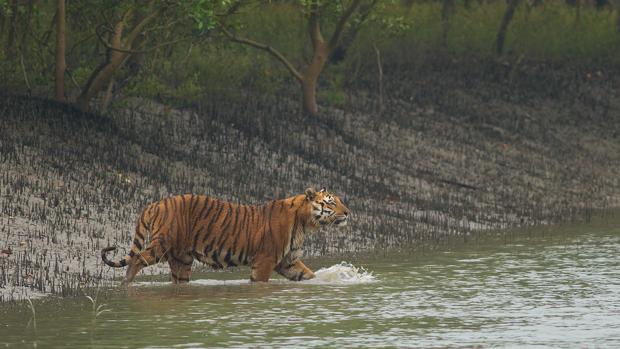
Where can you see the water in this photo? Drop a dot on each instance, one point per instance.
(557, 287)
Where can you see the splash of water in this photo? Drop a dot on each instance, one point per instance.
(343, 273)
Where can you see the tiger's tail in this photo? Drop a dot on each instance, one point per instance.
(123, 262)
(142, 230)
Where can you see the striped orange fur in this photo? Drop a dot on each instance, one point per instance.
(184, 228)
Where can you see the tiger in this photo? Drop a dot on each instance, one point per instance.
(268, 237)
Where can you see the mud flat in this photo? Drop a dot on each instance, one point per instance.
(425, 168)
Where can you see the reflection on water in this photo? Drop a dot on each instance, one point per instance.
(560, 290)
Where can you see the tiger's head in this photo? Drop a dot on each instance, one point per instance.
(326, 208)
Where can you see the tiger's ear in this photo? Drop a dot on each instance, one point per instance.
(323, 190)
(310, 193)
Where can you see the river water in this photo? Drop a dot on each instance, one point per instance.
(547, 287)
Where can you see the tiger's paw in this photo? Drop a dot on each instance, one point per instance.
(307, 275)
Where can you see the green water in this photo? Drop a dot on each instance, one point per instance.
(556, 287)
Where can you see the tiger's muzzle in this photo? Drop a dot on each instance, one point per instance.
(341, 220)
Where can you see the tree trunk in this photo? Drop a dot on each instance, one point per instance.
(2, 21)
(503, 28)
(446, 14)
(96, 82)
(577, 13)
(116, 56)
(311, 77)
(107, 97)
(25, 27)
(61, 66)
(104, 72)
(380, 73)
(10, 40)
(308, 88)
(616, 6)
(322, 51)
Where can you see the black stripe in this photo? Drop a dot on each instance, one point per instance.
(216, 262)
(241, 229)
(174, 203)
(237, 216)
(240, 258)
(192, 204)
(207, 249)
(192, 220)
(138, 244)
(214, 219)
(233, 231)
(246, 248)
(229, 217)
(207, 206)
(197, 234)
(162, 221)
(228, 259)
(142, 221)
(300, 276)
(273, 203)
(183, 212)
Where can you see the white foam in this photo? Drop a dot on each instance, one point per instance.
(213, 282)
(342, 274)
(196, 282)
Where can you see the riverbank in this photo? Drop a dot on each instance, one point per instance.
(447, 156)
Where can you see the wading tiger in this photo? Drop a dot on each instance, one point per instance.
(267, 237)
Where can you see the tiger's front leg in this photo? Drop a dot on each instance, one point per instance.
(296, 271)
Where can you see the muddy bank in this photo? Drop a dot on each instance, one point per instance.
(444, 158)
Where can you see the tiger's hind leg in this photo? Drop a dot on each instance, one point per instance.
(180, 269)
(145, 258)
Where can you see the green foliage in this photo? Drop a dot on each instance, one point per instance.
(81, 75)
(553, 33)
(206, 64)
(205, 12)
(4, 7)
(545, 33)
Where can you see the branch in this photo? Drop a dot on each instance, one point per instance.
(122, 50)
(139, 27)
(315, 31)
(267, 48)
(21, 60)
(68, 72)
(333, 42)
(231, 10)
